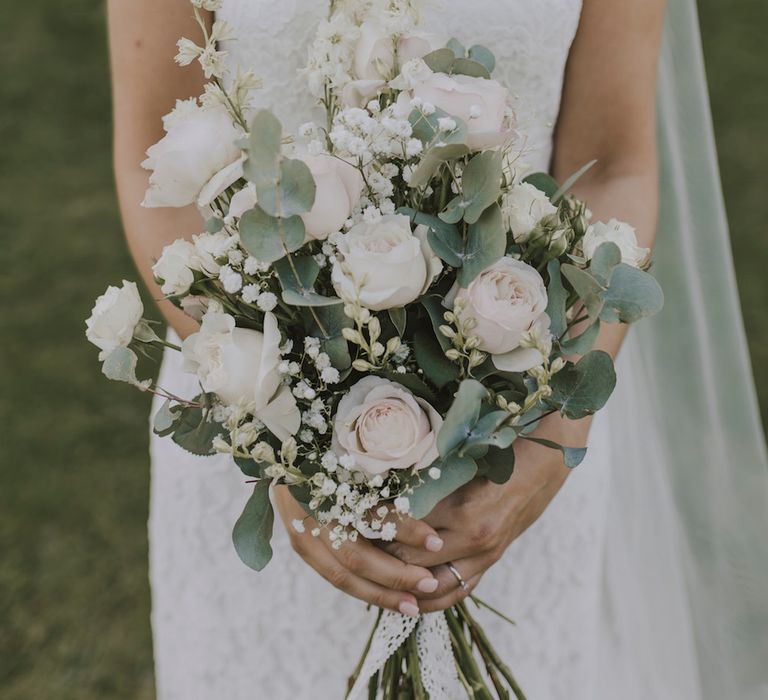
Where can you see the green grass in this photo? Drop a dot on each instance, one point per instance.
(74, 599)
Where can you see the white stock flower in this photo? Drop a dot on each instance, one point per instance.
(463, 96)
(508, 301)
(240, 366)
(338, 189)
(212, 246)
(385, 264)
(623, 235)
(175, 267)
(383, 426)
(114, 318)
(196, 160)
(522, 208)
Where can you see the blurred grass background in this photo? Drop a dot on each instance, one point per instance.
(74, 598)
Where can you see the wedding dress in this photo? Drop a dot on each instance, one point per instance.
(595, 585)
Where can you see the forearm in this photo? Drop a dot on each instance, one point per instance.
(148, 231)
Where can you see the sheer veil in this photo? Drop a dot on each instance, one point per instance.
(689, 520)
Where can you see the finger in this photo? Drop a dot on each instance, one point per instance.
(367, 561)
(447, 581)
(322, 560)
(452, 598)
(417, 533)
(456, 546)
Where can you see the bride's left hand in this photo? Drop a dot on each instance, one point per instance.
(479, 521)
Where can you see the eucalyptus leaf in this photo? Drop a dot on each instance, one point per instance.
(412, 383)
(448, 246)
(433, 159)
(294, 298)
(461, 417)
(253, 530)
(298, 274)
(484, 56)
(457, 47)
(572, 456)
(431, 358)
(497, 465)
(631, 295)
(544, 182)
(399, 318)
(487, 433)
(262, 165)
(120, 366)
(214, 224)
(571, 181)
(268, 238)
(292, 193)
(480, 188)
(583, 342)
(441, 60)
(590, 291)
(486, 243)
(473, 69)
(435, 310)
(582, 389)
(455, 471)
(606, 258)
(557, 298)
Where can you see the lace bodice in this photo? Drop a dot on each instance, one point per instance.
(222, 631)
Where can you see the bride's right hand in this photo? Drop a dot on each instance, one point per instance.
(359, 568)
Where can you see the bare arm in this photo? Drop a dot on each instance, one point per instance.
(145, 85)
(608, 114)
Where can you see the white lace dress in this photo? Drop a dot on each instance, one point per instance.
(222, 631)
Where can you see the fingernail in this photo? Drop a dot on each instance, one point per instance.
(427, 585)
(433, 543)
(409, 609)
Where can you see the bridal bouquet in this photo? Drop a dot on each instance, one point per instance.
(387, 300)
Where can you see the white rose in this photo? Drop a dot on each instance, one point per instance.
(385, 265)
(383, 426)
(339, 186)
(241, 367)
(208, 248)
(175, 267)
(623, 235)
(508, 301)
(114, 318)
(242, 201)
(196, 160)
(480, 102)
(522, 208)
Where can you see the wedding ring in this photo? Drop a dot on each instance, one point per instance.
(458, 576)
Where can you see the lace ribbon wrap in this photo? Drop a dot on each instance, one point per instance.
(433, 641)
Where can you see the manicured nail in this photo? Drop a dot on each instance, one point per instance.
(427, 585)
(433, 543)
(409, 609)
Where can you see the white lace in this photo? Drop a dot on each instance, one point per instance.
(222, 631)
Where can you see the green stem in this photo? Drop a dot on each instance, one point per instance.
(364, 655)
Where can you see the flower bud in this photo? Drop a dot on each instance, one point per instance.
(362, 366)
(452, 354)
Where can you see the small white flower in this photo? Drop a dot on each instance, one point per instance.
(330, 375)
(402, 504)
(446, 124)
(267, 301)
(231, 280)
(251, 293)
(389, 532)
(298, 525)
(347, 461)
(475, 112)
(434, 473)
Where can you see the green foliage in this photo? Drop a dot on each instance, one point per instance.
(631, 295)
(268, 238)
(451, 145)
(452, 59)
(486, 243)
(333, 320)
(484, 56)
(487, 433)
(399, 319)
(583, 342)
(581, 389)
(195, 430)
(431, 358)
(497, 465)
(253, 530)
(570, 182)
(590, 291)
(455, 471)
(557, 299)
(544, 182)
(297, 277)
(572, 456)
(480, 188)
(461, 416)
(120, 366)
(292, 193)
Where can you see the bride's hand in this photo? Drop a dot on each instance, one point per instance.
(479, 521)
(359, 568)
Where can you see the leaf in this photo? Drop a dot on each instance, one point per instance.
(461, 416)
(291, 193)
(582, 389)
(457, 47)
(444, 238)
(298, 274)
(572, 456)
(431, 161)
(431, 358)
(583, 342)
(253, 530)
(250, 467)
(412, 383)
(480, 188)
(631, 295)
(497, 465)
(484, 56)
(557, 298)
(195, 431)
(435, 310)
(466, 66)
(120, 366)
(606, 258)
(333, 320)
(441, 60)
(268, 238)
(486, 433)
(486, 243)
(590, 291)
(165, 418)
(543, 182)
(264, 149)
(570, 182)
(214, 224)
(399, 318)
(293, 298)
(455, 471)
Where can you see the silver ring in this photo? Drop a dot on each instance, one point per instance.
(458, 576)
